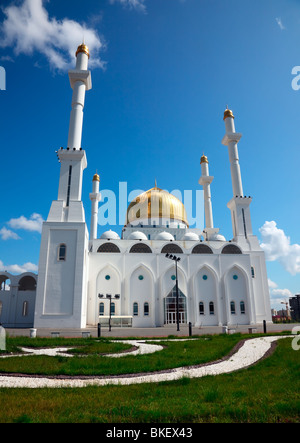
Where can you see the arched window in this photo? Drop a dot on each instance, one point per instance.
(5, 283)
(232, 307)
(101, 309)
(27, 283)
(25, 309)
(140, 248)
(201, 308)
(146, 309)
(252, 272)
(202, 249)
(211, 308)
(231, 249)
(62, 252)
(108, 248)
(112, 309)
(171, 249)
(135, 309)
(242, 306)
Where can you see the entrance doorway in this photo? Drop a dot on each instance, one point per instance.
(170, 307)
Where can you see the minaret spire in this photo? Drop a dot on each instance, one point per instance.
(206, 181)
(95, 197)
(239, 205)
(80, 80)
(68, 206)
(231, 140)
(209, 231)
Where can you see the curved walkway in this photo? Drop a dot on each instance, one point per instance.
(248, 354)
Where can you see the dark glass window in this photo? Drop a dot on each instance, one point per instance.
(171, 249)
(140, 248)
(108, 248)
(202, 249)
(146, 308)
(135, 309)
(231, 249)
(62, 252)
(201, 308)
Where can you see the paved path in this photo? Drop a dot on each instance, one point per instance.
(163, 331)
(251, 352)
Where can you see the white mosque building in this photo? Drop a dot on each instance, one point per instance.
(130, 280)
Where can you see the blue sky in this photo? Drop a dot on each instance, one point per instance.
(163, 72)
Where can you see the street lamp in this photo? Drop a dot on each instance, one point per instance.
(176, 259)
(110, 298)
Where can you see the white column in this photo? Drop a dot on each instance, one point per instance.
(95, 197)
(231, 140)
(209, 232)
(80, 80)
(205, 181)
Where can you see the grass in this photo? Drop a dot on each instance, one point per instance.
(268, 392)
(182, 353)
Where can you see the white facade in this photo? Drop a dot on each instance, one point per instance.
(84, 280)
(17, 299)
(231, 288)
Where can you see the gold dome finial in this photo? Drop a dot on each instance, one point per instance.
(228, 113)
(96, 178)
(83, 48)
(203, 159)
(156, 204)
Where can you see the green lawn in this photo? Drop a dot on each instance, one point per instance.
(266, 392)
(89, 361)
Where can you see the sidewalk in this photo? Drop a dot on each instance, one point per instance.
(164, 331)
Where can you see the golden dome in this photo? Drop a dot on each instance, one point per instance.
(228, 113)
(156, 204)
(203, 159)
(83, 48)
(96, 178)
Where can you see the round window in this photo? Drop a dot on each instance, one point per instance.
(204, 277)
(141, 277)
(235, 277)
(107, 277)
(173, 277)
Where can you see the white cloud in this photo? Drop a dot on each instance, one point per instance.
(279, 23)
(18, 269)
(28, 29)
(278, 295)
(33, 224)
(132, 4)
(281, 293)
(7, 234)
(272, 284)
(277, 246)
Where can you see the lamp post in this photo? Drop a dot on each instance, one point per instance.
(176, 259)
(110, 298)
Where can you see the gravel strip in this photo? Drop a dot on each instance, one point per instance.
(248, 354)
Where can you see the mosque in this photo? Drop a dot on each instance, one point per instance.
(159, 272)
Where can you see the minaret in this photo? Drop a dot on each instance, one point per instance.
(95, 197)
(205, 181)
(209, 231)
(61, 299)
(231, 140)
(80, 80)
(239, 204)
(68, 206)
